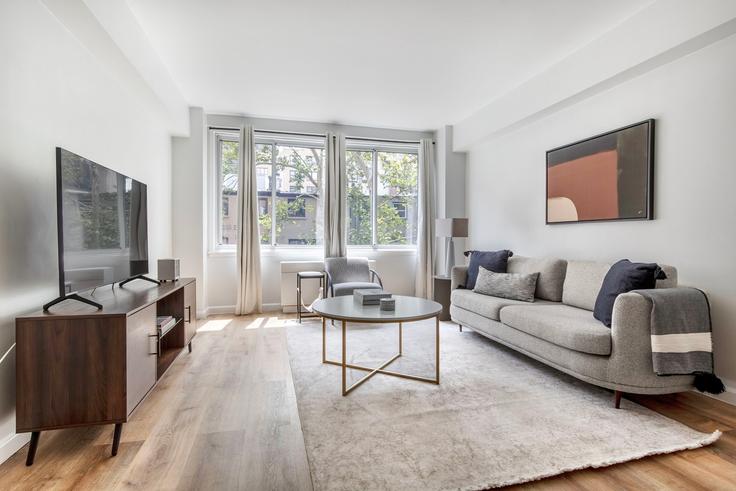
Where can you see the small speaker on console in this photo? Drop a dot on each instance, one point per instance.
(168, 269)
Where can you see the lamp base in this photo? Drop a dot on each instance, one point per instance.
(449, 257)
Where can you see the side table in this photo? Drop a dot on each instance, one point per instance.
(442, 295)
(307, 275)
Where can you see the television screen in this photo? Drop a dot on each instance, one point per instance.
(103, 227)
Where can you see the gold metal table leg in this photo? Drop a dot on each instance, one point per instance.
(344, 365)
(400, 339)
(344, 360)
(324, 341)
(437, 350)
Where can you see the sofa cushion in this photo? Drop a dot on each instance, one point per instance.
(492, 260)
(583, 281)
(551, 274)
(624, 276)
(506, 285)
(566, 326)
(485, 305)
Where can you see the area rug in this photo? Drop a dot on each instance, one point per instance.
(497, 417)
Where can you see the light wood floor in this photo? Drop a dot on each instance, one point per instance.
(225, 417)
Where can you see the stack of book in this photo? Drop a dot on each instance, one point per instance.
(164, 323)
(371, 296)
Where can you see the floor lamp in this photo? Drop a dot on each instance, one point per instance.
(450, 228)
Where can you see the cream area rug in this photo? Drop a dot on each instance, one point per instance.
(497, 417)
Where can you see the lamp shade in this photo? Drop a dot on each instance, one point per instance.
(451, 227)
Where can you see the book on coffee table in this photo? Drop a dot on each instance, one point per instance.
(370, 296)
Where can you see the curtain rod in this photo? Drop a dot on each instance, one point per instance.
(358, 138)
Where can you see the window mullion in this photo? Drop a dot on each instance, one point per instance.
(273, 194)
(374, 199)
(218, 151)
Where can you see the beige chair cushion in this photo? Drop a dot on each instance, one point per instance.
(562, 325)
(486, 305)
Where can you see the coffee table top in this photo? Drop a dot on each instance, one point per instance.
(346, 308)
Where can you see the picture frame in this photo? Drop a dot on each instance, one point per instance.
(606, 177)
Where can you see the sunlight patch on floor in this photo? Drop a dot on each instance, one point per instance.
(270, 322)
(214, 325)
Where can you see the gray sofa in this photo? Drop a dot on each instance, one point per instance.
(559, 329)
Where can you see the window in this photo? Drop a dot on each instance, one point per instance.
(289, 170)
(382, 179)
(382, 194)
(228, 166)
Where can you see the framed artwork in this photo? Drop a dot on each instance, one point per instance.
(606, 177)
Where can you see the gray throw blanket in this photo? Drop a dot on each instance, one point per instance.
(681, 335)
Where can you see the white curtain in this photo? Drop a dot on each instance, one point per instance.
(250, 297)
(425, 235)
(335, 221)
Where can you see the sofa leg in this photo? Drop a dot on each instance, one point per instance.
(617, 398)
(461, 327)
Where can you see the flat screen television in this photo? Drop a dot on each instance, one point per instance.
(102, 224)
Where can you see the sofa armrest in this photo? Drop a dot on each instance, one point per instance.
(458, 276)
(631, 348)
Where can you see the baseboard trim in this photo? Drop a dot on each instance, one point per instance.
(729, 397)
(12, 444)
(220, 309)
(230, 309)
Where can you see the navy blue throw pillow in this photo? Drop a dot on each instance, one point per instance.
(624, 276)
(495, 261)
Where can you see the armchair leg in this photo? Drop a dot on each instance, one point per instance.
(461, 327)
(617, 399)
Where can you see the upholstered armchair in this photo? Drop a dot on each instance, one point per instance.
(347, 274)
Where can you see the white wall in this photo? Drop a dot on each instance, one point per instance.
(694, 103)
(188, 198)
(54, 93)
(450, 186)
(397, 268)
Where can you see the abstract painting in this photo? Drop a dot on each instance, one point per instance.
(606, 177)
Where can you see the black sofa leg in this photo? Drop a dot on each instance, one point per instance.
(461, 327)
(617, 399)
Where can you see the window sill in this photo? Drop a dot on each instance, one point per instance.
(222, 253)
(311, 251)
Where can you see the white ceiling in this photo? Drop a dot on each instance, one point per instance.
(413, 64)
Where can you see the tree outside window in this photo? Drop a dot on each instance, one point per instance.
(389, 217)
(381, 193)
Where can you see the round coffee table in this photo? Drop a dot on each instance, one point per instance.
(408, 309)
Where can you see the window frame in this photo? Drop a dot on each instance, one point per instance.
(376, 147)
(274, 139)
(216, 138)
(264, 137)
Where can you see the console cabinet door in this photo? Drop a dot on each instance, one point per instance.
(141, 355)
(190, 311)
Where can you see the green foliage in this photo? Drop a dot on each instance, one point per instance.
(397, 186)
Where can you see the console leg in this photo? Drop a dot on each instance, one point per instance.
(32, 447)
(617, 399)
(116, 438)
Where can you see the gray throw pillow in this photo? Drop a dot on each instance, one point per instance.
(506, 285)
